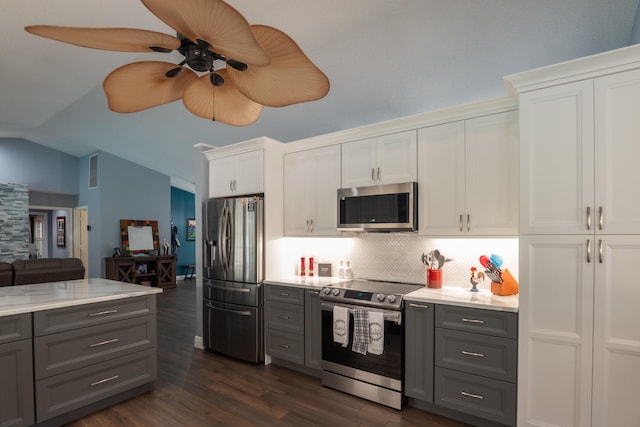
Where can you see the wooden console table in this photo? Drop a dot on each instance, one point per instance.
(156, 271)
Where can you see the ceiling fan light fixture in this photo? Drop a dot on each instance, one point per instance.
(216, 79)
(173, 72)
(240, 66)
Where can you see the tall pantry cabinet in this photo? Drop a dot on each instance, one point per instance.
(579, 343)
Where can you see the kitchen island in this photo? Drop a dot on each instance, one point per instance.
(73, 347)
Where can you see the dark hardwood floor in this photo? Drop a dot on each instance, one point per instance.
(200, 388)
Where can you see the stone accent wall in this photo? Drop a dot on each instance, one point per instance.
(14, 222)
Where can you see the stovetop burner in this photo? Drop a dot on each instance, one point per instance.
(369, 292)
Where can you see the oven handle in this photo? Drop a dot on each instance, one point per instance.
(392, 316)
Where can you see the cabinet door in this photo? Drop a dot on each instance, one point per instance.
(16, 384)
(221, 176)
(249, 173)
(296, 194)
(616, 359)
(419, 331)
(312, 330)
(442, 179)
(617, 130)
(556, 159)
(491, 148)
(323, 192)
(397, 158)
(555, 331)
(359, 162)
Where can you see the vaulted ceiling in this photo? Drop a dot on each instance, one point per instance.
(384, 58)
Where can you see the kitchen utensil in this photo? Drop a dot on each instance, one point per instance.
(426, 259)
(491, 271)
(496, 260)
(441, 260)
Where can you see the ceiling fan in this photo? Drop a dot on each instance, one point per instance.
(261, 65)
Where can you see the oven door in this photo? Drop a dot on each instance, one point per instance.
(384, 370)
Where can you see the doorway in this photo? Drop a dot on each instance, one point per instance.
(80, 236)
(38, 238)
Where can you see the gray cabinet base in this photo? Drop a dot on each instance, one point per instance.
(97, 406)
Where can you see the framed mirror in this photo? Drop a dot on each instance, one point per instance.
(139, 237)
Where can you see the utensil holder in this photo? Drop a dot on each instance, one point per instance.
(509, 285)
(434, 279)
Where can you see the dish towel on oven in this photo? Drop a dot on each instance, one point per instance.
(341, 325)
(376, 332)
(360, 331)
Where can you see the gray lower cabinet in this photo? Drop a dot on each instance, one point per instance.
(419, 318)
(312, 329)
(88, 353)
(284, 320)
(475, 359)
(293, 325)
(16, 371)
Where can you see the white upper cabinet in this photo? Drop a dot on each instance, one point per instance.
(617, 152)
(468, 177)
(388, 159)
(311, 182)
(579, 152)
(236, 175)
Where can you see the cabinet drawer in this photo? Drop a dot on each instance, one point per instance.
(472, 394)
(287, 294)
(490, 322)
(72, 390)
(14, 328)
(484, 355)
(81, 316)
(285, 345)
(286, 317)
(62, 352)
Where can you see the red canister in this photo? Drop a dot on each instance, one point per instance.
(434, 279)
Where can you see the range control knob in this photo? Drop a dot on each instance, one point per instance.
(326, 291)
(380, 297)
(336, 292)
(391, 298)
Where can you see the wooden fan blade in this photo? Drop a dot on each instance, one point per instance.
(118, 39)
(220, 103)
(289, 79)
(141, 85)
(215, 22)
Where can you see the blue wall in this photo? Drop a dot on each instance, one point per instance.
(635, 33)
(183, 208)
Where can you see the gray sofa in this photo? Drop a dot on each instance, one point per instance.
(26, 272)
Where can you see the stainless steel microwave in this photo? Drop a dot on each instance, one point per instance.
(381, 208)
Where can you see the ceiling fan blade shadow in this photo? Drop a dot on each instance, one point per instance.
(223, 104)
(117, 39)
(215, 22)
(289, 79)
(142, 85)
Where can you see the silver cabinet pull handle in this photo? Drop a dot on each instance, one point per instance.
(588, 250)
(468, 221)
(475, 396)
(378, 170)
(282, 294)
(600, 251)
(284, 317)
(460, 223)
(471, 353)
(314, 292)
(373, 174)
(307, 224)
(102, 313)
(472, 320)
(284, 346)
(106, 380)
(311, 223)
(418, 305)
(98, 344)
(588, 217)
(600, 217)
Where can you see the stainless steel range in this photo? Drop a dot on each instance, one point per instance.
(377, 372)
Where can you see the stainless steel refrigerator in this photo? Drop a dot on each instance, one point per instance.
(233, 275)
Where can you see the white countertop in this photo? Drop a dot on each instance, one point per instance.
(450, 295)
(45, 296)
